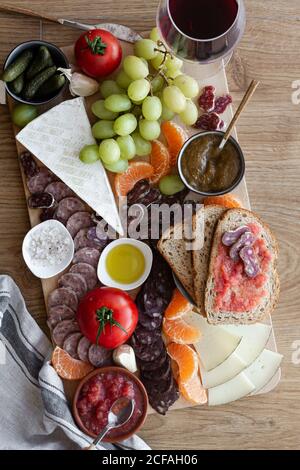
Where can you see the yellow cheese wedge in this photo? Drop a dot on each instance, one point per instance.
(263, 369)
(233, 390)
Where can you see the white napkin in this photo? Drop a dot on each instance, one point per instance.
(34, 412)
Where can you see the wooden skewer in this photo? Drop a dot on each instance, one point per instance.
(27, 12)
(248, 95)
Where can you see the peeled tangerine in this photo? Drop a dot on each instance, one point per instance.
(181, 332)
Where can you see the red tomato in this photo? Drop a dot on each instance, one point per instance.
(107, 316)
(98, 53)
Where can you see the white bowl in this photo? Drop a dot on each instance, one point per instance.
(105, 278)
(45, 272)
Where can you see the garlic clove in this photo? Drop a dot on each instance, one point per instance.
(124, 356)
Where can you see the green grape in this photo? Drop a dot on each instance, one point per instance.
(190, 115)
(154, 35)
(157, 61)
(142, 146)
(119, 167)
(135, 68)
(172, 63)
(118, 103)
(188, 85)
(170, 185)
(127, 147)
(157, 83)
(145, 48)
(174, 99)
(149, 130)
(99, 110)
(167, 114)
(138, 90)
(109, 87)
(123, 80)
(172, 74)
(103, 130)
(125, 124)
(109, 151)
(152, 108)
(89, 154)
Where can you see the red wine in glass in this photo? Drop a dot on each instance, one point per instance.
(201, 30)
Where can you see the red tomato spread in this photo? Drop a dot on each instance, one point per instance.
(235, 291)
(98, 395)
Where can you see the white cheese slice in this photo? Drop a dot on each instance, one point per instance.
(56, 138)
(254, 340)
(263, 369)
(216, 344)
(233, 390)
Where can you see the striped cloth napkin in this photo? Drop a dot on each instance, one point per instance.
(34, 412)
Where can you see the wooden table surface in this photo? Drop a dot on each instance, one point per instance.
(269, 133)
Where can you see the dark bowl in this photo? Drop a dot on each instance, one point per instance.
(131, 377)
(59, 60)
(216, 193)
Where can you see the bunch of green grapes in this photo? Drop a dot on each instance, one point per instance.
(148, 90)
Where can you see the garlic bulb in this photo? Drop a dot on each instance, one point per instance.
(80, 84)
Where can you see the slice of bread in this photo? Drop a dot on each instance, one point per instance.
(173, 248)
(200, 258)
(231, 220)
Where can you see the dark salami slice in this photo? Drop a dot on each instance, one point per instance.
(63, 329)
(87, 255)
(29, 165)
(138, 193)
(145, 336)
(99, 356)
(88, 272)
(78, 221)
(58, 314)
(162, 402)
(38, 183)
(47, 214)
(98, 236)
(161, 373)
(153, 365)
(41, 201)
(81, 240)
(68, 207)
(83, 349)
(160, 385)
(150, 323)
(149, 353)
(63, 296)
(74, 281)
(71, 343)
(59, 190)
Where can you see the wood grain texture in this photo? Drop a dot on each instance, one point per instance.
(269, 134)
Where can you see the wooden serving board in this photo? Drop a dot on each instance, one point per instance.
(219, 81)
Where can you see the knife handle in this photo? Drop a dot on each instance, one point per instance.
(27, 12)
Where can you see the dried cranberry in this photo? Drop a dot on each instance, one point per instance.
(207, 99)
(222, 103)
(209, 122)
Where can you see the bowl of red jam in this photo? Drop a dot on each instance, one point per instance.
(95, 395)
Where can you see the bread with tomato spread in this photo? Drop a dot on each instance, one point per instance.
(200, 257)
(232, 296)
(174, 248)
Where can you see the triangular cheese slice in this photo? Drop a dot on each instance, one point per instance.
(56, 138)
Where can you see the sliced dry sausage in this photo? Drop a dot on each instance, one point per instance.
(63, 329)
(88, 272)
(83, 349)
(71, 343)
(68, 207)
(74, 281)
(59, 190)
(81, 240)
(38, 182)
(99, 356)
(63, 296)
(87, 255)
(78, 221)
(58, 314)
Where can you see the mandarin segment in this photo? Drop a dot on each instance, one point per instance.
(160, 159)
(187, 360)
(137, 171)
(175, 137)
(193, 391)
(69, 368)
(229, 201)
(181, 332)
(178, 306)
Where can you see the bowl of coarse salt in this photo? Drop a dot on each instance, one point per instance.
(48, 249)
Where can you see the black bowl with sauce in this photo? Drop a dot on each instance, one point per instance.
(207, 172)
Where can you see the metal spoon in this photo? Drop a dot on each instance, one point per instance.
(119, 414)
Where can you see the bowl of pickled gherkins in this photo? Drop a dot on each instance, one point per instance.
(31, 73)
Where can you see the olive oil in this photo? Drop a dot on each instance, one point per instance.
(125, 264)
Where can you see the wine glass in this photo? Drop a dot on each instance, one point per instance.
(202, 31)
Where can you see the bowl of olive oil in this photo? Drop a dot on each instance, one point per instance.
(125, 264)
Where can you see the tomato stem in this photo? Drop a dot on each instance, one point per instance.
(96, 45)
(104, 316)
